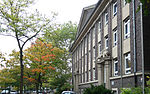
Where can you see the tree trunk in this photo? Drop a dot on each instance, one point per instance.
(22, 70)
(37, 88)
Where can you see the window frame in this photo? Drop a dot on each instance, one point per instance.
(115, 12)
(100, 26)
(89, 60)
(127, 56)
(94, 54)
(106, 42)
(100, 48)
(94, 74)
(124, 2)
(106, 18)
(89, 75)
(115, 72)
(85, 76)
(127, 34)
(115, 37)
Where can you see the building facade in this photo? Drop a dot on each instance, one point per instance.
(108, 48)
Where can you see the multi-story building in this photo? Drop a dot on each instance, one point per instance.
(109, 47)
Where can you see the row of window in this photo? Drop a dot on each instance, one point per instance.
(114, 10)
(82, 51)
(88, 75)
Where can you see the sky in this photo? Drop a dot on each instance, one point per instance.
(68, 10)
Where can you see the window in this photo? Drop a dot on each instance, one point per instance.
(89, 59)
(100, 47)
(115, 91)
(116, 67)
(126, 29)
(106, 42)
(82, 64)
(86, 77)
(94, 30)
(115, 8)
(124, 2)
(106, 18)
(94, 77)
(94, 33)
(86, 62)
(89, 41)
(89, 75)
(82, 78)
(94, 56)
(127, 63)
(80, 51)
(83, 48)
(100, 26)
(85, 45)
(115, 37)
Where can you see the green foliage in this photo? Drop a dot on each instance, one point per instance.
(17, 21)
(97, 90)
(136, 90)
(146, 6)
(60, 82)
(61, 36)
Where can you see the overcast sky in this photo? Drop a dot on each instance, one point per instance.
(68, 10)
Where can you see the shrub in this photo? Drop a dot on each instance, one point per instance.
(97, 90)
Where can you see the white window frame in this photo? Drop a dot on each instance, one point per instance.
(94, 76)
(115, 89)
(124, 2)
(106, 18)
(85, 62)
(85, 76)
(89, 60)
(106, 42)
(100, 48)
(114, 8)
(89, 75)
(94, 54)
(127, 70)
(100, 26)
(94, 30)
(127, 27)
(83, 48)
(82, 77)
(115, 37)
(89, 41)
(86, 44)
(115, 72)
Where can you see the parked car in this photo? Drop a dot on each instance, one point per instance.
(5, 92)
(68, 92)
(13, 92)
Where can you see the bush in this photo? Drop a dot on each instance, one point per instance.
(97, 90)
(136, 90)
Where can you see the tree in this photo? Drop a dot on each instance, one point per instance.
(2, 59)
(42, 59)
(15, 21)
(62, 36)
(10, 74)
(146, 6)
